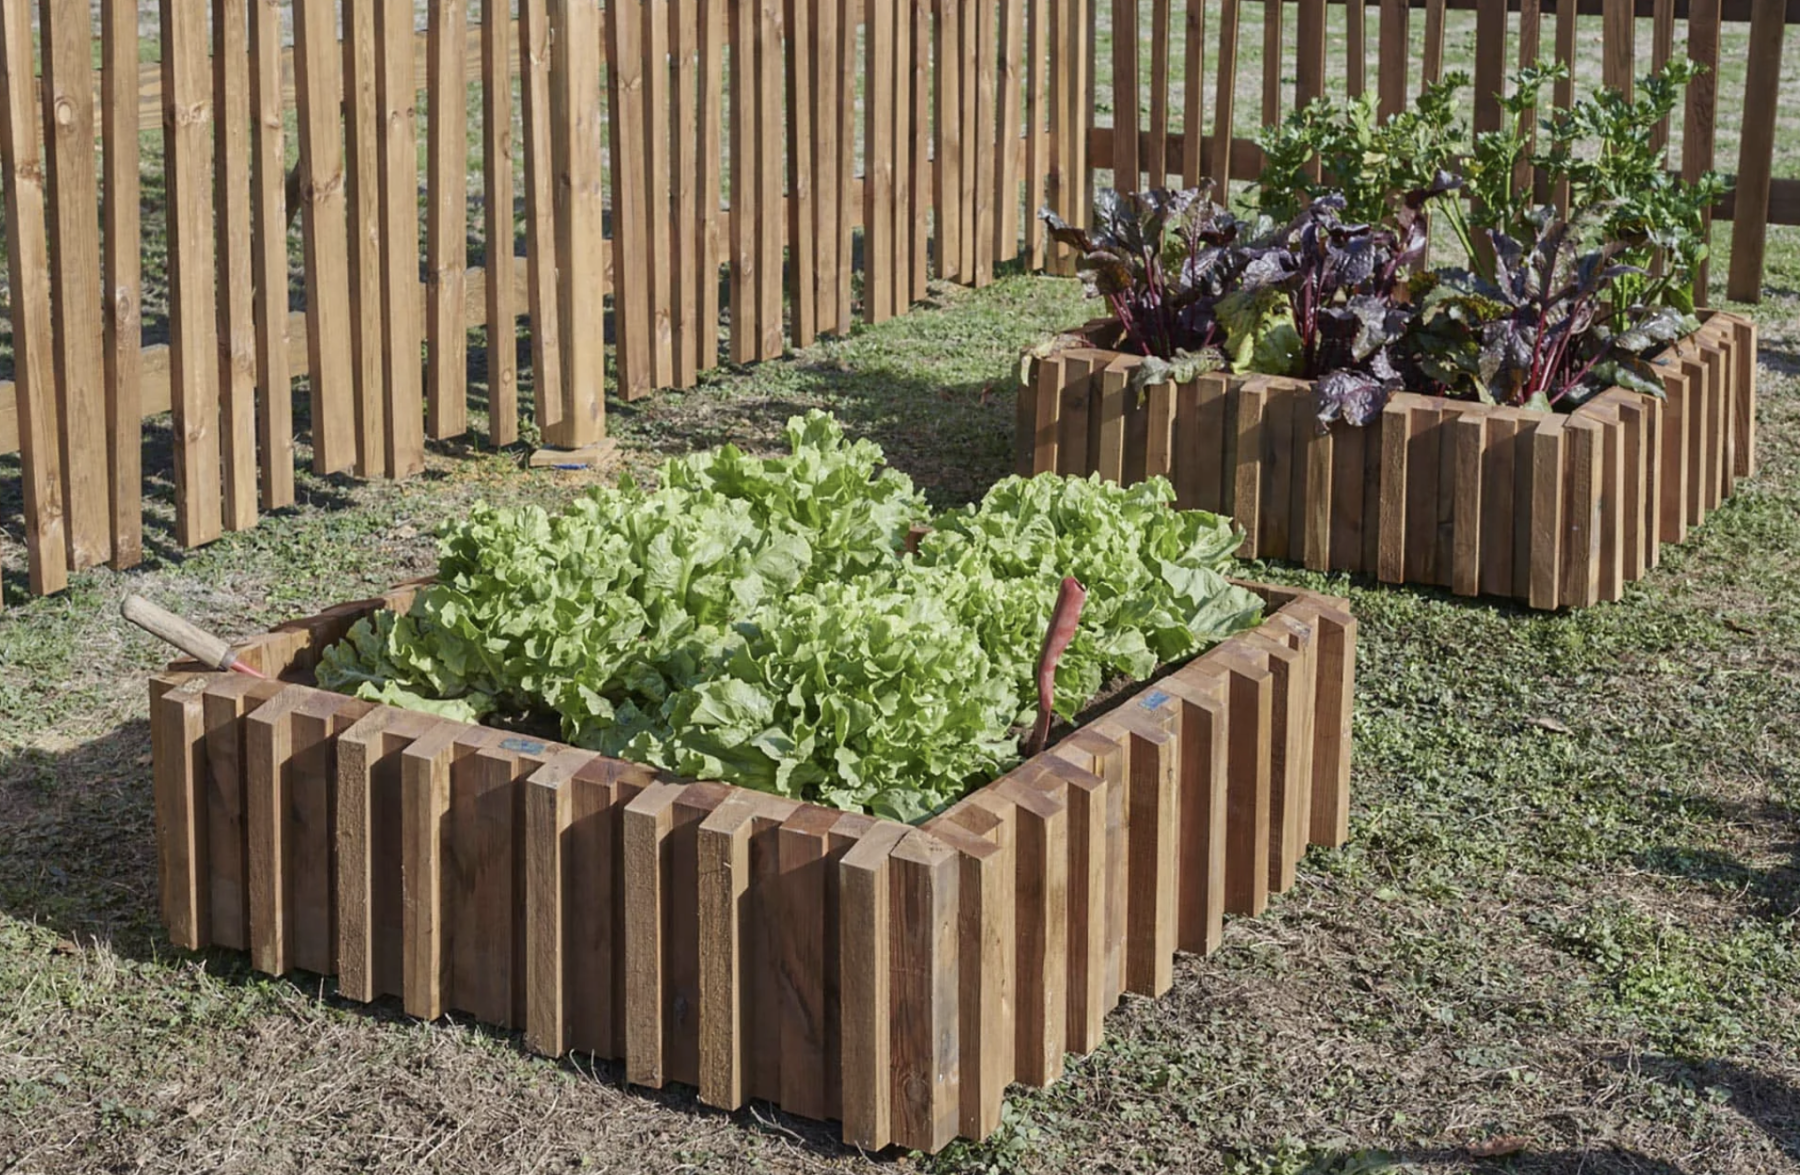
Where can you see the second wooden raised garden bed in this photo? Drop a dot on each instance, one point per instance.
(840, 966)
(1553, 510)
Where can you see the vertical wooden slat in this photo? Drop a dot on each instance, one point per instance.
(123, 277)
(864, 945)
(70, 129)
(1530, 48)
(317, 87)
(878, 167)
(1396, 438)
(904, 142)
(948, 124)
(1425, 491)
(402, 320)
(596, 930)
(1524, 500)
(1347, 518)
(1006, 190)
(1315, 504)
(1279, 453)
(803, 851)
(803, 253)
(1040, 127)
(581, 217)
(1548, 459)
(924, 903)
(1468, 440)
(1088, 799)
(481, 875)
(497, 175)
(268, 744)
(830, 300)
(425, 769)
(746, 145)
(1224, 99)
(28, 275)
(971, 138)
(1490, 61)
(653, 38)
(1309, 68)
(1662, 46)
(194, 367)
(1499, 446)
(770, 172)
(1193, 87)
(1041, 859)
(1617, 48)
(1289, 772)
(648, 820)
(1756, 150)
(979, 134)
(919, 211)
(227, 884)
(713, 38)
(1107, 443)
(371, 919)
(1202, 761)
(1333, 700)
(1699, 118)
(1061, 182)
(535, 54)
(1272, 63)
(1156, 154)
(984, 968)
(177, 726)
(1356, 49)
(447, 221)
(1246, 477)
(1250, 726)
(723, 857)
(1394, 49)
(681, 946)
(1433, 64)
(1563, 92)
(547, 904)
(1153, 856)
(362, 153)
(1582, 439)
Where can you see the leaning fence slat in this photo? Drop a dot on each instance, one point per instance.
(123, 293)
(540, 211)
(401, 323)
(194, 376)
(362, 146)
(1225, 98)
(72, 174)
(447, 222)
(497, 174)
(1756, 150)
(27, 251)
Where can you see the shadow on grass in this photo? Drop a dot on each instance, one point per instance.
(1767, 1101)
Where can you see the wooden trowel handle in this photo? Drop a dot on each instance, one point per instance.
(196, 642)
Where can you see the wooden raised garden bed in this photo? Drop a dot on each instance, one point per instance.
(1551, 509)
(840, 966)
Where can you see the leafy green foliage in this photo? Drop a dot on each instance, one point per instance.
(756, 620)
(1543, 334)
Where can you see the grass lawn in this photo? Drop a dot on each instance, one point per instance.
(1564, 926)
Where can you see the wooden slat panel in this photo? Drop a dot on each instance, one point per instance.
(402, 304)
(1333, 701)
(1244, 473)
(227, 884)
(1584, 460)
(535, 96)
(1548, 459)
(27, 250)
(746, 144)
(1349, 458)
(1490, 62)
(1433, 65)
(1040, 134)
(1250, 725)
(723, 858)
(647, 859)
(806, 969)
(1041, 855)
(1424, 491)
(425, 769)
(802, 181)
(318, 82)
(1152, 861)
(596, 870)
(581, 246)
(1088, 799)
(864, 914)
(497, 175)
(1272, 63)
(1356, 49)
(971, 138)
(547, 901)
(1756, 151)
(1203, 769)
(371, 918)
(1309, 66)
(924, 903)
(193, 328)
(1072, 419)
(72, 173)
(917, 212)
(268, 742)
(123, 278)
(362, 149)
(1499, 449)
(1468, 441)
(481, 873)
(831, 296)
(681, 901)
(984, 965)
(1673, 467)
(769, 173)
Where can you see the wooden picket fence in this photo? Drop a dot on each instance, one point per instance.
(825, 156)
(837, 965)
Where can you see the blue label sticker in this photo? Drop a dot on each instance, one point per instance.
(524, 746)
(1154, 700)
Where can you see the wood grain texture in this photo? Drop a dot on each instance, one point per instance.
(402, 306)
(122, 281)
(924, 903)
(865, 945)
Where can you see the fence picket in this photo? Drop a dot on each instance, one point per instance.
(362, 138)
(497, 175)
(123, 281)
(540, 212)
(401, 325)
(447, 222)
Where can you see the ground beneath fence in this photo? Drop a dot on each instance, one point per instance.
(1563, 934)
